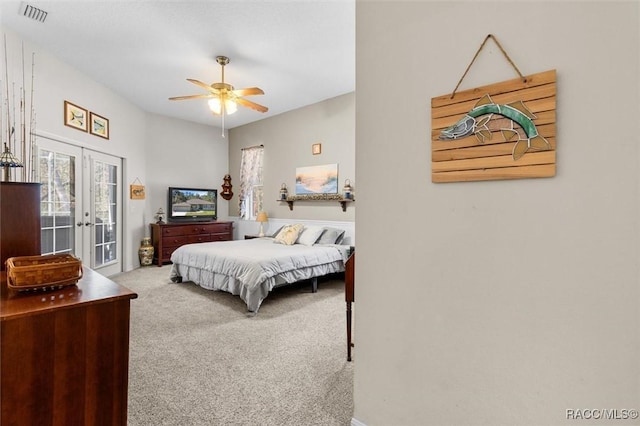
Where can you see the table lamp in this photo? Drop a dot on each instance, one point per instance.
(160, 215)
(262, 218)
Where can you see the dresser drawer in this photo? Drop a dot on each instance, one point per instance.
(200, 229)
(175, 241)
(203, 238)
(219, 237)
(215, 228)
(175, 231)
(167, 252)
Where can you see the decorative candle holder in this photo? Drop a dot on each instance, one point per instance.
(283, 192)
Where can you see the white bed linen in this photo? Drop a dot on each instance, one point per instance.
(252, 268)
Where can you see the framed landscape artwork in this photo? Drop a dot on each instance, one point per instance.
(317, 179)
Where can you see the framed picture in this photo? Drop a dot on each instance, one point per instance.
(98, 126)
(316, 148)
(317, 179)
(75, 116)
(136, 192)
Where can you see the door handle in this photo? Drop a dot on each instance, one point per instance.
(79, 224)
(88, 224)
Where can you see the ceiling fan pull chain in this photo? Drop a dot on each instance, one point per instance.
(222, 106)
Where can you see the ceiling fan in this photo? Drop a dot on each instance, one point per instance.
(223, 98)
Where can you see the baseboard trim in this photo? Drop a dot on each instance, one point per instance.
(356, 422)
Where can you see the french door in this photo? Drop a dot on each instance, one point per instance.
(81, 204)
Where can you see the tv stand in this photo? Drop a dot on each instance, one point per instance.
(167, 237)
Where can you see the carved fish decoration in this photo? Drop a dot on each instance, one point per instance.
(475, 122)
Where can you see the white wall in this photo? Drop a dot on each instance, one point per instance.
(183, 154)
(512, 301)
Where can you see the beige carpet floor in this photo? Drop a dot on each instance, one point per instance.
(198, 358)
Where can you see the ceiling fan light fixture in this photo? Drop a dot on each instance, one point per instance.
(230, 106)
(216, 106)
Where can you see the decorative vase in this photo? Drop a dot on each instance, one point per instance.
(145, 252)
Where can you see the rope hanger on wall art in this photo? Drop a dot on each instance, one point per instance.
(504, 130)
(489, 36)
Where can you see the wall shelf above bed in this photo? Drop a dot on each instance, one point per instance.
(319, 197)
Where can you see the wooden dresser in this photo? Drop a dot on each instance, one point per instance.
(65, 354)
(167, 237)
(19, 220)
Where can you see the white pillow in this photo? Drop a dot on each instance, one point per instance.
(288, 234)
(310, 235)
(275, 234)
(331, 236)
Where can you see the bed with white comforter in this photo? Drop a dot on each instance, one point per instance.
(252, 268)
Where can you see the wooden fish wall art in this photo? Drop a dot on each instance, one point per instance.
(505, 130)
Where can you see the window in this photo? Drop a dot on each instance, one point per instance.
(250, 197)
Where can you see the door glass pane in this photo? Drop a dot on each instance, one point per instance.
(46, 240)
(109, 252)
(57, 202)
(99, 232)
(105, 207)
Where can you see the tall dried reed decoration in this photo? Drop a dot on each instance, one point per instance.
(19, 137)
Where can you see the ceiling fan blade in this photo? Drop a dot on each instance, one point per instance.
(252, 105)
(248, 91)
(180, 98)
(203, 85)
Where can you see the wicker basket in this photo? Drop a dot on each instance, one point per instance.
(43, 272)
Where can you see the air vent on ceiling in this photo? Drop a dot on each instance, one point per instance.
(32, 12)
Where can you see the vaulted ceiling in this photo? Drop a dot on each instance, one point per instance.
(298, 51)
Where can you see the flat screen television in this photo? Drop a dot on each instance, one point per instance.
(192, 204)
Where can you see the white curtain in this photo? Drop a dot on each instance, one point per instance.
(250, 176)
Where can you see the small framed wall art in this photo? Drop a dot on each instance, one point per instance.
(136, 192)
(98, 125)
(75, 116)
(316, 148)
